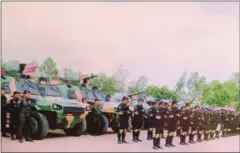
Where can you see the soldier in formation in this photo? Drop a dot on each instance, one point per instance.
(150, 121)
(138, 117)
(159, 125)
(124, 113)
(173, 118)
(25, 117)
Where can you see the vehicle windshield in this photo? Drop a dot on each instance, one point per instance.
(6, 87)
(32, 87)
(72, 94)
(86, 93)
(52, 91)
(99, 95)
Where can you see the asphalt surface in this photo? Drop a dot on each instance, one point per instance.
(58, 142)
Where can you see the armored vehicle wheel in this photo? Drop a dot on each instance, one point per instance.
(39, 126)
(105, 123)
(78, 130)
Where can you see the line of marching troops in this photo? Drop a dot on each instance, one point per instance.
(205, 123)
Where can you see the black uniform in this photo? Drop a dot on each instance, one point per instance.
(3, 114)
(123, 112)
(200, 127)
(194, 121)
(14, 108)
(150, 122)
(94, 121)
(185, 125)
(217, 117)
(159, 125)
(173, 118)
(137, 122)
(25, 119)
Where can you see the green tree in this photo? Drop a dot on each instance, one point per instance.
(220, 94)
(107, 84)
(162, 93)
(49, 68)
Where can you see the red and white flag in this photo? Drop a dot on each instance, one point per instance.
(29, 69)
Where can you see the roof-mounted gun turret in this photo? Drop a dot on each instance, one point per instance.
(85, 80)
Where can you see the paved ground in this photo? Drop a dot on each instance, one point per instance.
(107, 143)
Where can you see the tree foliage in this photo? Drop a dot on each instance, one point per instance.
(49, 68)
(139, 85)
(162, 93)
(107, 84)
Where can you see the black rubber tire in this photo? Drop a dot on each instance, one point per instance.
(43, 126)
(105, 123)
(78, 130)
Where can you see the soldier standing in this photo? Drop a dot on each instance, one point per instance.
(150, 121)
(25, 117)
(165, 106)
(159, 125)
(200, 128)
(185, 124)
(173, 117)
(123, 112)
(194, 123)
(96, 114)
(3, 112)
(138, 120)
(14, 107)
(217, 117)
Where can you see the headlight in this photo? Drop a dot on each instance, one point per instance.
(56, 107)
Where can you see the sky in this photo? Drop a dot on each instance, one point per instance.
(159, 40)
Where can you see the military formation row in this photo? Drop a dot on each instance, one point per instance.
(206, 123)
(74, 109)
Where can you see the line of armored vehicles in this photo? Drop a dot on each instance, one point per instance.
(58, 105)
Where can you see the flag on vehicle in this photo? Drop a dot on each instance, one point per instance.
(29, 69)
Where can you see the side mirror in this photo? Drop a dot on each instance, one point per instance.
(115, 109)
(42, 90)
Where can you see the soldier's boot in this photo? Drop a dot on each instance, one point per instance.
(206, 137)
(29, 139)
(148, 135)
(158, 144)
(211, 136)
(190, 138)
(123, 137)
(151, 135)
(4, 134)
(217, 134)
(20, 137)
(181, 139)
(199, 137)
(119, 138)
(167, 144)
(134, 136)
(12, 136)
(137, 136)
(155, 143)
(170, 141)
(184, 140)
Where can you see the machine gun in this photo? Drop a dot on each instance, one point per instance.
(85, 80)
